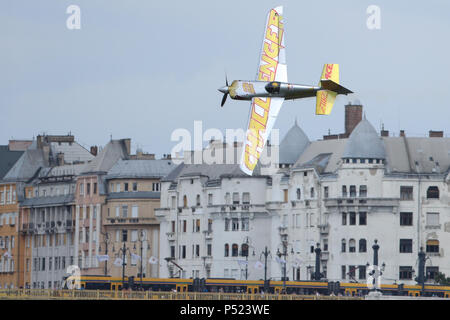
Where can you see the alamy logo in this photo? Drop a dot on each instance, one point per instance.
(374, 19)
(373, 277)
(74, 20)
(73, 280)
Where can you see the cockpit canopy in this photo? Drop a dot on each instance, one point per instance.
(273, 87)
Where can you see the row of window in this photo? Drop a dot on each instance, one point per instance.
(195, 225)
(51, 263)
(88, 189)
(122, 235)
(362, 247)
(363, 160)
(432, 219)
(8, 218)
(406, 192)
(405, 272)
(50, 191)
(123, 210)
(7, 242)
(182, 251)
(7, 197)
(233, 224)
(6, 264)
(52, 240)
(352, 191)
(432, 246)
(235, 250)
(362, 218)
(234, 199)
(131, 186)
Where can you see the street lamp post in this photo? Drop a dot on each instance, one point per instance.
(266, 253)
(317, 274)
(106, 242)
(421, 276)
(142, 238)
(247, 242)
(375, 270)
(285, 245)
(123, 250)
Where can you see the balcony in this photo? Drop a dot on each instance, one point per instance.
(324, 256)
(25, 228)
(363, 203)
(283, 230)
(130, 221)
(208, 234)
(171, 236)
(324, 228)
(161, 212)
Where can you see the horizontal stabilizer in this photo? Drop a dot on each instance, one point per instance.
(333, 86)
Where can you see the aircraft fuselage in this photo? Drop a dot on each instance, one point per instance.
(246, 90)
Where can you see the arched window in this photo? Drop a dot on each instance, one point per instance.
(298, 194)
(227, 249)
(244, 250)
(198, 200)
(352, 245)
(185, 201)
(344, 243)
(235, 250)
(362, 245)
(433, 192)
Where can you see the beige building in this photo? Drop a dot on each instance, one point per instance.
(129, 217)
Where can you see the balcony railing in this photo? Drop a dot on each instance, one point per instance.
(130, 220)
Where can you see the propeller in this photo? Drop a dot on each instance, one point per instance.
(225, 90)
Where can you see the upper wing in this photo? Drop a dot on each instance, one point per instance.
(272, 63)
(263, 114)
(264, 111)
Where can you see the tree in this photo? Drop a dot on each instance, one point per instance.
(440, 278)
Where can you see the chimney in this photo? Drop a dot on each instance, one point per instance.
(39, 141)
(127, 143)
(385, 133)
(402, 133)
(60, 159)
(436, 134)
(94, 150)
(353, 115)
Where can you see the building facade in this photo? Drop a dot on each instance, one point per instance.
(134, 191)
(334, 197)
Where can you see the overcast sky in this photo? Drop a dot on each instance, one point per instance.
(140, 69)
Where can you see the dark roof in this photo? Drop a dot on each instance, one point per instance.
(8, 159)
(48, 201)
(134, 195)
(27, 165)
(140, 169)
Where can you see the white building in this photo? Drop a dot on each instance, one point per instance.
(343, 192)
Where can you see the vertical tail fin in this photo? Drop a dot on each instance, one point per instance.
(330, 88)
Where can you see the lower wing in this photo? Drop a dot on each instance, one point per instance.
(264, 112)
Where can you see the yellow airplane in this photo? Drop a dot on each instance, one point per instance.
(271, 88)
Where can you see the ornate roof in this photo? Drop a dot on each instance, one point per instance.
(364, 142)
(293, 144)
